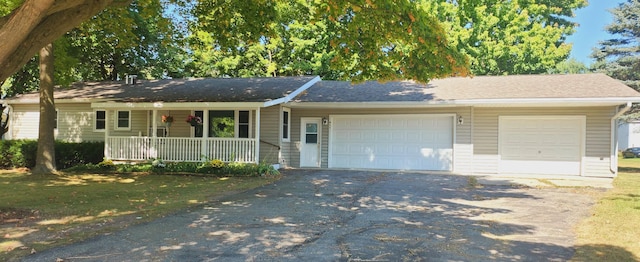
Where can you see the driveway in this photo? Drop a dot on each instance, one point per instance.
(329, 215)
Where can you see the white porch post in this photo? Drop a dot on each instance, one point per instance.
(205, 133)
(257, 153)
(154, 133)
(107, 152)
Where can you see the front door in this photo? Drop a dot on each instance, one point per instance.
(310, 137)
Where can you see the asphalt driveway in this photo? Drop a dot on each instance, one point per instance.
(356, 216)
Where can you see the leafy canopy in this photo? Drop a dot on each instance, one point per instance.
(508, 37)
(354, 40)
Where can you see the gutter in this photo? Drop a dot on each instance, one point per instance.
(538, 102)
(613, 164)
(293, 94)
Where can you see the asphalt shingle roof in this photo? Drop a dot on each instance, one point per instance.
(182, 90)
(266, 89)
(479, 87)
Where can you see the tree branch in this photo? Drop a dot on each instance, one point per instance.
(17, 50)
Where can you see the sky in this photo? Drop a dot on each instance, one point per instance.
(592, 20)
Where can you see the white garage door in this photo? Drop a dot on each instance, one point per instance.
(541, 145)
(406, 142)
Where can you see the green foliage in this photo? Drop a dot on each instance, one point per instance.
(619, 57)
(216, 163)
(571, 66)
(210, 167)
(136, 39)
(354, 40)
(17, 153)
(6, 6)
(22, 153)
(106, 164)
(508, 37)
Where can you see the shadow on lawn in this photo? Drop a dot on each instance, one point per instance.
(629, 169)
(603, 253)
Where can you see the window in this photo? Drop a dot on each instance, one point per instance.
(123, 120)
(243, 124)
(55, 120)
(222, 123)
(225, 123)
(100, 121)
(286, 119)
(198, 129)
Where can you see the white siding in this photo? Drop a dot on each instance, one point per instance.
(75, 122)
(24, 122)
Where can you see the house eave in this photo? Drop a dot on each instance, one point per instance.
(529, 102)
(175, 105)
(57, 101)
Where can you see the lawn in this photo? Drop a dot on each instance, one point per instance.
(612, 233)
(40, 212)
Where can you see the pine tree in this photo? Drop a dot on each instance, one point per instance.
(619, 57)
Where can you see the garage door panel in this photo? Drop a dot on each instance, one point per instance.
(411, 142)
(541, 145)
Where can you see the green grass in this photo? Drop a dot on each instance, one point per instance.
(612, 233)
(45, 211)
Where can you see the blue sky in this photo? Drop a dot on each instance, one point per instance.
(592, 20)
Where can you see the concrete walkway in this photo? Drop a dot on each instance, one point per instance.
(329, 215)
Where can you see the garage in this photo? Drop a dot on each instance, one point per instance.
(404, 142)
(552, 145)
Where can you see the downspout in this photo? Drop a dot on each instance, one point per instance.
(613, 164)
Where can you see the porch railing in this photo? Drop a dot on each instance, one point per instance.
(180, 149)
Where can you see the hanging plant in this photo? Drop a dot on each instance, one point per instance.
(194, 120)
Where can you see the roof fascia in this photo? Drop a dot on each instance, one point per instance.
(175, 105)
(293, 94)
(61, 101)
(532, 102)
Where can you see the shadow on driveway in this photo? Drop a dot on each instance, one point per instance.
(328, 215)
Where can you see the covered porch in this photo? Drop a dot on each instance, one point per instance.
(181, 132)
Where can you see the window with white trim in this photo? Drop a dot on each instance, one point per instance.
(243, 124)
(100, 120)
(123, 120)
(55, 120)
(286, 127)
(229, 123)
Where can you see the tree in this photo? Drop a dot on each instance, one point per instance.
(508, 37)
(619, 57)
(120, 40)
(571, 66)
(36, 23)
(45, 157)
(371, 39)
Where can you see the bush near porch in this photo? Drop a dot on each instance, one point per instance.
(22, 153)
(208, 168)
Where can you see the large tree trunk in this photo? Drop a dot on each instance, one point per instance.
(46, 156)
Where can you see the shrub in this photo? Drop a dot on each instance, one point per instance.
(216, 163)
(106, 164)
(22, 153)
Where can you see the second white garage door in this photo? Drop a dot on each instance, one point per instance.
(405, 142)
(541, 144)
